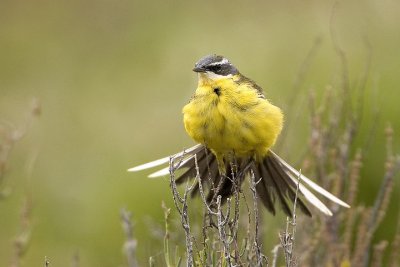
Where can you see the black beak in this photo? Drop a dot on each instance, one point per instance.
(199, 69)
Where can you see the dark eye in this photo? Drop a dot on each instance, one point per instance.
(215, 68)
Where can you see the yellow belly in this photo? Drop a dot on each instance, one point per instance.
(235, 120)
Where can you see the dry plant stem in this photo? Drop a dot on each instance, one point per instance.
(167, 213)
(182, 207)
(211, 182)
(362, 229)
(381, 204)
(9, 136)
(344, 155)
(351, 213)
(341, 164)
(293, 222)
(312, 244)
(253, 184)
(375, 216)
(234, 223)
(248, 245)
(222, 222)
(285, 240)
(379, 249)
(288, 238)
(383, 198)
(322, 136)
(205, 242)
(130, 243)
(22, 240)
(249, 216)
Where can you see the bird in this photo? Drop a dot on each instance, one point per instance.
(235, 127)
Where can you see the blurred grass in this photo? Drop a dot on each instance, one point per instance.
(112, 78)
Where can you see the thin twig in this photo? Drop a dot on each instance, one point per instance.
(253, 184)
(379, 250)
(182, 207)
(130, 243)
(222, 222)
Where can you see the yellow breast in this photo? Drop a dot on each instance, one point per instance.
(230, 116)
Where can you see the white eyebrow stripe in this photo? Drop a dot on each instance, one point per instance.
(222, 62)
(213, 76)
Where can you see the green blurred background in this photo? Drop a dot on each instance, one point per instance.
(112, 77)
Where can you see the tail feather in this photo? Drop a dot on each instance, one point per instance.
(262, 190)
(271, 179)
(286, 184)
(275, 178)
(291, 171)
(191, 151)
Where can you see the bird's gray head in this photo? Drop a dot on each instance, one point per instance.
(215, 67)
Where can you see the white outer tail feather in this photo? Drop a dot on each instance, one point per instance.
(165, 170)
(158, 162)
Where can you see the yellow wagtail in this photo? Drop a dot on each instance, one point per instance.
(236, 126)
